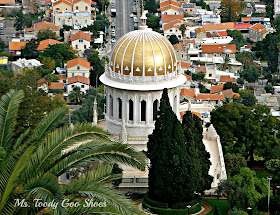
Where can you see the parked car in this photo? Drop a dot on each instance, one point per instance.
(112, 6)
(113, 24)
(13, 35)
(2, 33)
(113, 33)
(113, 40)
(132, 15)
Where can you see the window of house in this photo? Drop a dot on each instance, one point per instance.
(143, 111)
(155, 109)
(66, 8)
(57, 8)
(82, 86)
(182, 55)
(83, 74)
(210, 75)
(77, 8)
(76, 46)
(80, 40)
(58, 18)
(85, 46)
(120, 108)
(78, 67)
(86, 8)
(73, 74)
(111, 105)
(130, 104)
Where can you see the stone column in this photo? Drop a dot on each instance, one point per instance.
(136, 110)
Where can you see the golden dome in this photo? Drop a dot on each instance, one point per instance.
(143, 53)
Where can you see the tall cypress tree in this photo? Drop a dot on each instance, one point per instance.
(171, 177)
(193, 133)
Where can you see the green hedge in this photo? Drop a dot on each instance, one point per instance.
(163, 211)
(155, 203)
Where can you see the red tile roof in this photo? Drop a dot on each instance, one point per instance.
(167, 7)
(219, 27)
(81, 35)
(45, 25)
(226, 78)
(77, 1)
(170, 18)
(16, 46)
(185, 65)
(45, 44)
(249, 19)
(242, 26)
(200, 68)
(56, 85)
(186, 41)
(62, 1)
(222, 33)
(209, 97)
(61, 77)
(217, 88)
(179, 46)
(78, 78)
(258, 27)
(168, 2)
(189, 78)
(7, 2)
(228, 48)
(187, 92)
(172, 24)
(78, 61)
(199, 30)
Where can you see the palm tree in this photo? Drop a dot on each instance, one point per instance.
(246, 58)
(31, 164)
(225, 65)
(183, 29)
(75, 95)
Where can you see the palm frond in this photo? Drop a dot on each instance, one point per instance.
(9, 105)
(50, 122)
(111, 152)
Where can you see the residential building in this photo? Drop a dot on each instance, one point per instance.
(219, 27)
(200, 33)
(82, 5)
(46, 43)
(17, 66)
(77, 81)
(3, 60)
(258, 32)
(214, 40)
(181, 54)
(217, 89)
(189, 8)
(30, 33)
(252, 20)
(172, 28)
(77, 20)
(62, 5)
(16, 46)
(56, 86)
(78, 67)
(226, 50)
(80, 41)
(216, 100)
(276, 8)
(226, 78)
(211, 19)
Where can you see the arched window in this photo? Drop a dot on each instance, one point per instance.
(120, 108)
(111, 106)
(143, 111)
(155, 109)
(130, 104)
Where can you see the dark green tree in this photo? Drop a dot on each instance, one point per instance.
(230, 85)
(229, 17)
(234, 161)
(244, 189)
(235, 34)
(97, 68)
(29, 51)
(46, 34)
(246, 58)
(247, 130)
(2, 45)
(85, 113)
(192, 127)
(75, 96)
(173, 39)
(171, 176)
(249, 100)
(250, 74)
(268, 88)
(153, 21)
(60, 52)
(22, 20)
(273, 167)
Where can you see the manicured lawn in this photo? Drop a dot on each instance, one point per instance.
(222, 205)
